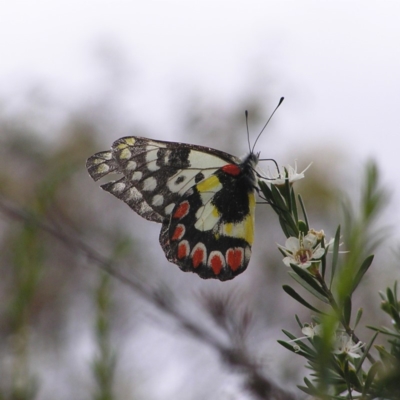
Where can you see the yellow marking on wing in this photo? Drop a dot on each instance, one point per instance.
(102, 168)
(121, 146)
(244, 229)
(125, 154)
(211, 184)
(130, 141)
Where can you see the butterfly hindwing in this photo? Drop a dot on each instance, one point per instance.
(203, 197)
(211, 229)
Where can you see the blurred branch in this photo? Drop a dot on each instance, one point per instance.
(234, 355)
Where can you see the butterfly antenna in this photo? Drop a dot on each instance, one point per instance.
(269, 119)
(246, 113)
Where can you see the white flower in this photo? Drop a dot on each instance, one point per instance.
(310, 331)
(302, 251)
(286, 173)
(345, 345)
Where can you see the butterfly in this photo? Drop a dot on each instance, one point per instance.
(204, 199)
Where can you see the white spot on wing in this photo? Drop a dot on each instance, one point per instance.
(207, 217)
(119, 187)
(169, 208)
(199, 160)
(136, 176)
(131, 165)
(151, 158)
(144, 208)
(166, 157)
(158, 199)
(149, 184)
(134, 194)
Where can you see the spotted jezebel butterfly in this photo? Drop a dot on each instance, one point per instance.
(204, 199)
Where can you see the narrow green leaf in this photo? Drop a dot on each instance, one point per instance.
(358, 317)
(371, 376)
(363, 269)
(308, 352)
(352, 378)
(335, 255)
(390, 296)
(306, 286)
(277, 198)
(289, 335)
(382, 295)
(266, 191)
(395, 315)
(347, 309)
(303, 209)
(323, 260)
(366, 350)
(293, 204)
(291, 292)
(387, 358)
(308, 278)
(298, 321)
(385, 331)
(307, 390)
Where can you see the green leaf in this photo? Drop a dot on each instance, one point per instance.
(277, 198)
(395, 315)
(306, 286)
(310, 392)
(366, 350)
(287, 345)
(308, 278)
(358, 317)
(303, 209)
(388, 359)
(293, 204)
(308, 352)
(390, 296)
(363, 269)
(347, 310)
(335, 255)
(375, 368)
(291, 292)
(352, 378)
(298, 321)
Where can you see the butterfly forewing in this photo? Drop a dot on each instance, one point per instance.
(154, 173)
(203, 197)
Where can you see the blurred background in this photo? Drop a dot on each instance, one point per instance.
(74, 77)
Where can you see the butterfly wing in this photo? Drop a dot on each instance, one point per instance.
(154, 174)
(203, 198)
(211, 228)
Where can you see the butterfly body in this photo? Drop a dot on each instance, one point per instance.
(204, 199)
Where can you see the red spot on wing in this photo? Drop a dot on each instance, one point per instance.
(179, 232)
(231, 169)
(198, 257)
(216, 262)
(234, 258)
(183, 250)
(182, 210)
